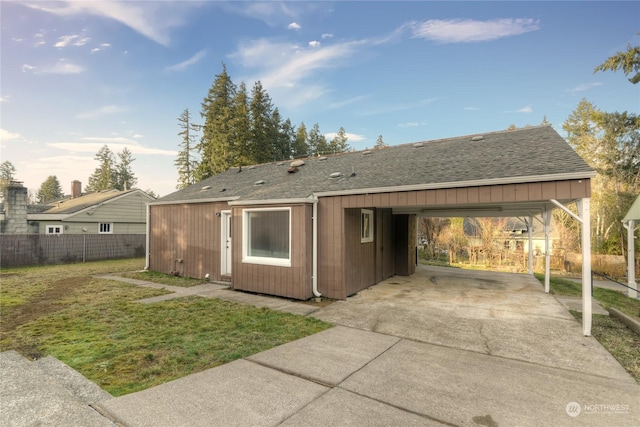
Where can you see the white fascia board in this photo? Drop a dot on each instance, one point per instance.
(191, 201)
(48, 217)
(272, 202)
(459, 184)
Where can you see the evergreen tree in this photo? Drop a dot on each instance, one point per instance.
(185, 161)
(286, 139)
(103, 177)
(123, 173)
(317, 142)
(379, 143)
(262, 126)
(627, 61)
(215, 143)
(241, 154)
(300, 146)
(49, 190)
(339, 142)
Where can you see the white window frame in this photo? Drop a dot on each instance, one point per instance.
(246, 258)
(49, 227)
(100, 224)
(366, 225)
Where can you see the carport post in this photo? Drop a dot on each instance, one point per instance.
(584, 211)
(546, 215)
(530, 230)
(632, 292)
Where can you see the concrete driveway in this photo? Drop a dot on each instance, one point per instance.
(444, 347)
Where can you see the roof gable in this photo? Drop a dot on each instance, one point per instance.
(531, 153)
(77, 204)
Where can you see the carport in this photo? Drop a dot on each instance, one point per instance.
(629, 222)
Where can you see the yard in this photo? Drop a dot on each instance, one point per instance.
(96, 327)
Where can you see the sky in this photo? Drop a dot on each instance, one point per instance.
(75, 76)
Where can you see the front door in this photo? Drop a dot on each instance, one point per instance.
(225, 248)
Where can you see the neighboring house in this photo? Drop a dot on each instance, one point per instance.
(336, 225)
(514, 236)
(102, 212)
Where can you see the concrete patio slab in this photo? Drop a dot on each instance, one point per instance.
(342, 408)
(240, 393)
(327, 357)
(468, 389)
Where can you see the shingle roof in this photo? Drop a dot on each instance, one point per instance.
(535, 152)
(83, 202)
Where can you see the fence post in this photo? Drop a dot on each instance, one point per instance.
(84, 246)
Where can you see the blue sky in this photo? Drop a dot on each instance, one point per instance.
(78, 75)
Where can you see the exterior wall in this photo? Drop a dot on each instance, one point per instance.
(184, 239)
(405, 244)
(291, 282)
(132, 208)
(92, 227)
(360, 258)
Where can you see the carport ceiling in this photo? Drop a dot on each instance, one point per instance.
(513, 209)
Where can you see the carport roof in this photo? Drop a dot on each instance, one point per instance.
(529, 154)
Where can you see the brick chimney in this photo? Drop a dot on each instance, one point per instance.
(76, 189)
(15, 209)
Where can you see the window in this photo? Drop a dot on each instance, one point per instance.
(366, 226)
(54, 229)
(267, 236)
(105, 228)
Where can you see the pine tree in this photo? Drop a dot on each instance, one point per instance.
(339, 142)
(300, 146)
(286, 139)
(49, 190)
(262, 126)
(185, 161)
(103, 177)
(123, 173)
(215, 143)
(240, 149)
(317, 142)
(379, 143)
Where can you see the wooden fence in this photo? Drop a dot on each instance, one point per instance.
(18, 250)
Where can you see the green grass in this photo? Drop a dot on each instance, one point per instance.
(606, 297)
(97, 327)
(165, 279)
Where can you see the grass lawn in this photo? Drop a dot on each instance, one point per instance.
(165, 279)
(96, 327)
(620, 341)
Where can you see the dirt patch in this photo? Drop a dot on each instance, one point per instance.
(43, 304)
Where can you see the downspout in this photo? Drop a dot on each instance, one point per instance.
(314, 256)
(147, 255)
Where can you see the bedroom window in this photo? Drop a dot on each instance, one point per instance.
(105, 228)
(267, 236)
(54, 229)
(366, 226)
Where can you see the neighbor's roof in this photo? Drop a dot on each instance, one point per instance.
(68, 206)
(522, 155)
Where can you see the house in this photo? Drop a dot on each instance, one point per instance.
(335, 225)
(101, 212)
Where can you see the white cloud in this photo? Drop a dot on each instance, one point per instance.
(314, 43)
(189, 62)
(115, 144)
(102, 111)
(294, 26)
(326, 36)
(5, 98)
(64, 41)
(351, 137)
(525, 109)
(583, 87)
(17, 39)
(5, 135)
(63, 67)
(95, 50)
(469, 30)
(27, 67)
(150, 19)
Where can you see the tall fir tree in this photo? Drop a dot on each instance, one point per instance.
(300, 146)
(125, 179)
(379, 143)
(49, 190)
(262, 126)
(103, 177)
(185, 161)
(318, 144)
(241, 154)
(339, 142)
(286, 138)
(217, 112)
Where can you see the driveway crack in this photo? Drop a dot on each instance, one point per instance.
(485, 338)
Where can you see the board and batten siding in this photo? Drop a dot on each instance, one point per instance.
(291, 282)
(185, 239)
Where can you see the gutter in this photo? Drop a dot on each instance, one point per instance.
(314, 262)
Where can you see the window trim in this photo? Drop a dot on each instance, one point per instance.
(248, 259)
(47, 227)
(366, 220)
(100, 224)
